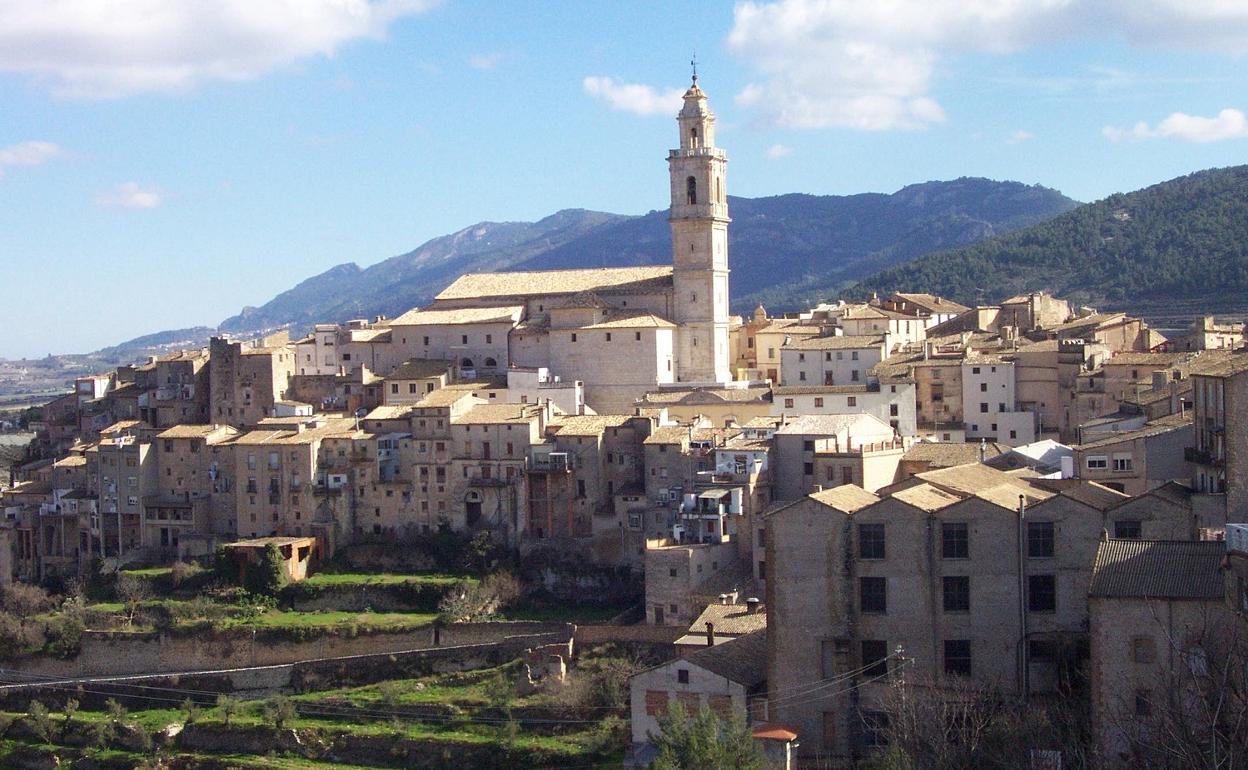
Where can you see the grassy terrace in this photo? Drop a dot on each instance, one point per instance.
(453, 716)
(189, 614)
(385, 578)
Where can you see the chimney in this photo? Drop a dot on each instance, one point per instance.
(983, 449)
(710, 634)
(753, 605)
(818, 488)
(723, 598)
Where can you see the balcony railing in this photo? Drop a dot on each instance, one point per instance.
(1201, 457)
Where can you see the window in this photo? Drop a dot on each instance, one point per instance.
(833, 657)
(1143, 649)
(788, 403)
(1122, 463)
(874, 729)
(1041, 593)
(656, 702)
(818, 402)
(958, 657)
(691, 191)
(1097, 463)
(801, 376)
(608, 336)
(463, 339)
(1039, 539)
(870, 540)
(957, 592)
(1128, 529)
(682, 675)
(983, 407)
(892, 410)
(954, 540)
(853, 356)
(574, 336)
(489, 338)
(852, 400)
(874, 657)
(426, 341)
(873, 594)
(637, 336)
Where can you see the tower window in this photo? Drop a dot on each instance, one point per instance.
(693, 136)
(691, 190)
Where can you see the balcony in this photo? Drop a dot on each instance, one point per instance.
(1202, 457)
(554, 462)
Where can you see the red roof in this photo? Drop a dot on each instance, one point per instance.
(772, 731)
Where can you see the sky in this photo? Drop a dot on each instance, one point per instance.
(164, 163)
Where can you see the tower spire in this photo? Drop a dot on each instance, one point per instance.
(694, 64)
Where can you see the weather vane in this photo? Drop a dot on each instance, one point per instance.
(694, 63)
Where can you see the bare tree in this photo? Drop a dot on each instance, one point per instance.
(1197, 715)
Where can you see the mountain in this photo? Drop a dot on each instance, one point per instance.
(401, 283)
(1167, 251)
(784, 249)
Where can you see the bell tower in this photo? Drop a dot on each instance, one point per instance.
(699, 219)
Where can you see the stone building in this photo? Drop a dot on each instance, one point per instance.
(1158, 624)
(968, 573)
(1219, 452)
(892, 402)
(194, 486)
(1135, 461)
(245, 380)
(806, 447)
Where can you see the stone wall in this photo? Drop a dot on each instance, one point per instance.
(119, 654)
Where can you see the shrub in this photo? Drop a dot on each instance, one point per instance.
(280, 710)
(39, 721)
(24, 599)
(228, 706)
(17, 636)
(131, 591)
(467, 602)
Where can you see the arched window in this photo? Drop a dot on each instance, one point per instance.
(693, 136)
(691, 189)
(489, 362)
(466, 363)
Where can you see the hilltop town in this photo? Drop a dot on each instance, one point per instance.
(827, 525)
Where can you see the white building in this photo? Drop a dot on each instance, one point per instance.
(989, 403)
(838, 360)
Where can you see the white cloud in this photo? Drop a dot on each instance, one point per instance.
(129, 195)
(1227, 124)
(485, 61)
(28, 154)
(633, 97)
(871, 65)
(779, 151)
(1019, 137)
(101, 49)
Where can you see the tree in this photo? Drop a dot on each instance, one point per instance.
(704, 742)
(39, 721)
(280, 711)
(267, 575)
(228, 706)
(71, 709)
(191, 709)
(132, 591)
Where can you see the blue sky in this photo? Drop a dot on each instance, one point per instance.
(163, 165)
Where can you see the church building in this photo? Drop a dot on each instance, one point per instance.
(622, 331)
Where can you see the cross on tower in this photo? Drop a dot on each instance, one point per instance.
(694, 63)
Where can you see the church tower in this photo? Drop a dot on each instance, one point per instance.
(699, 217)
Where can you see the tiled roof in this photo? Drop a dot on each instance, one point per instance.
(742, 660)
(335, 427)
(926, 497)
(588, 424)
(1090, 493)
(392, 412)
(807, 390)
(496, 414)
(1158, 427)
(444, 396)
(669, 434)
(1226, 367)
(946, 454)
(1147, 359)
(842, 342)
(847, 498)
(460, 315)
(829, 424)
(419, 369)
(542, 282)
(981, 481)
(197, 431)
(932, 303)
(1158, 569)
(624, 319)
(707, 395)
(734, 619)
